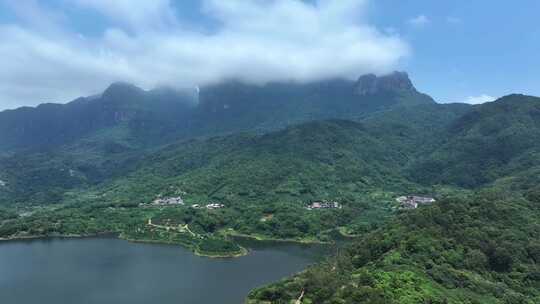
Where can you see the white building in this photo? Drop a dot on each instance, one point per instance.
(413, 201)
(168, 201)
(324, 205)
(214, 206)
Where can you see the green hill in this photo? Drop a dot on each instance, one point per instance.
(478, 249)
(334, 159)
(51, 149)
(403, 149)
(477, 244)
(163, 115)
(494, 140)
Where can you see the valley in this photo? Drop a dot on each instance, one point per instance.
(269, 152)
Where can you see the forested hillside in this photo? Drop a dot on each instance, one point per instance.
(49, 150)
(474, 249)
(492, 141)
(406, 148)
(163, 115)
(146, 115)
(476, 244)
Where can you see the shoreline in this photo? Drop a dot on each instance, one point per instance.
(59, 236)
(196, 251)
(243, 251)
(269, 239)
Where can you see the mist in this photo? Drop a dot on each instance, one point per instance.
(147, 44)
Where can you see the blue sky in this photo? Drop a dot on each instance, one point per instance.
(468, 48)
(456, 51)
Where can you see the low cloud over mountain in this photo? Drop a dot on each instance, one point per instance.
(51, 57)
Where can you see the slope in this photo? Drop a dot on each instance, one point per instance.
(51, 149)
(493, 141)
(478, 249)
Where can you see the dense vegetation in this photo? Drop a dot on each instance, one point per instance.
(129, 222)
(478, 244)
(267, 180)
(491, 141)
(48, 150)
(163, 115)
(478, 249)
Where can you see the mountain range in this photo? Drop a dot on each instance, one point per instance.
(377, 131)
(84, 142)
(265, 151)
(164, 114)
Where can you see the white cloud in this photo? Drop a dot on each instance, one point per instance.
(479, 99)
(257, 41)
(30, 12)
(420, 20)
(134, 14)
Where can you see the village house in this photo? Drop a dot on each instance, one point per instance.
(413, 201)
(168, 201)
(214, 206)
(324, 205)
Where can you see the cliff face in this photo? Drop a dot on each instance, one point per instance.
(165, 114)
(395, 82)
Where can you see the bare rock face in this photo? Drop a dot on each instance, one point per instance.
(396, 82)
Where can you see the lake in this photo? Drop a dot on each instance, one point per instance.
(109, 270)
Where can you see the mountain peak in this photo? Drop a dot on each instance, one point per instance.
(121, 90)
(395, 82)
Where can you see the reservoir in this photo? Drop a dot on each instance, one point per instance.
(109, 270)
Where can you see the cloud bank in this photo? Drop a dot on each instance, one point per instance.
(479, 99)
(144, 42)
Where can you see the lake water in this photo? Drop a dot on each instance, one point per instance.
(108, 270)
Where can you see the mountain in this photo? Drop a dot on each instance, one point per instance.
(492, 141)
(322, 160)
(163, 115)
(406, 147)
(326, 159)
(121, 105)
(54, 148)
(359, 164)
(476, 244)
(336, 153)
(233, 106)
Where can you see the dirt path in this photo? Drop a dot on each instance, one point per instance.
(299, 300)
(186, 227)
(181, 229)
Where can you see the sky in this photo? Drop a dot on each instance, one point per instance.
(454, 50)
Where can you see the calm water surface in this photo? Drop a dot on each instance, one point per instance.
(108, 270)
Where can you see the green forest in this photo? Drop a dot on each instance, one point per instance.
(480, 248)
(477, 244)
